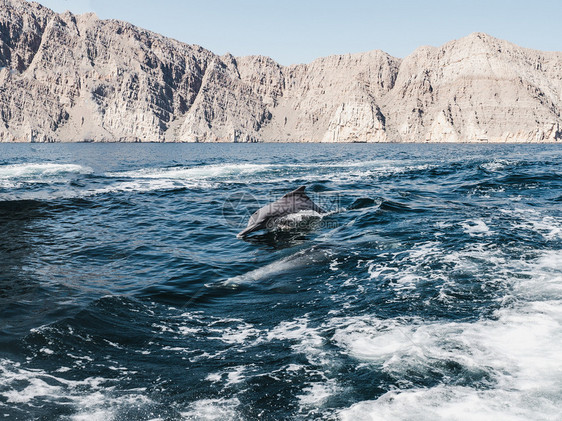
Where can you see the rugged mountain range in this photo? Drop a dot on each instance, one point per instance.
(69, 78)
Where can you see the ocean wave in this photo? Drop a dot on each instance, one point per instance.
(515, 361)
(16, 176)
(214, 410)
(140, 186)
(548, 226)
(499, 165)
(40, 170)
(91, 398)
(271, 172)
(192, 173)
(514, 358)
(424, 299)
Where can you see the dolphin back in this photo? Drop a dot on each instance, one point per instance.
(297, 201)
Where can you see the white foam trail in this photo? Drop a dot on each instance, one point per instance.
(521, 352)
(228, 171)
(236, 335)
(451, 403)
(133, 186)
(90, 398)
(18, 175)
(514, 358)
(13, 177)
(518, 356)
(316, 394)
(476, 227)
(305, 340)
(213, 410)
(36, 170)
(498, 164)
(141, 186)
(543, 279)
(193, 173)
(550, 227)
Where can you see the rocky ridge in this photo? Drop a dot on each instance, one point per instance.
(69, 78)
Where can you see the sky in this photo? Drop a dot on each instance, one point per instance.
(298, 31)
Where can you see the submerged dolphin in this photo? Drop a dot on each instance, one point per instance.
(269, 215)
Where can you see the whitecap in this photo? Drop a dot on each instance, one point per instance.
(497, 165)
(476, 227)
(305, 340)
(90, 398)
(213, 410)
(236, 335)
(452, 403)
(514, 360)
(141, 186)
(316, 394)
(192, 173)
(40, 170)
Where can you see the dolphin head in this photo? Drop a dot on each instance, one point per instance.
(249, 229)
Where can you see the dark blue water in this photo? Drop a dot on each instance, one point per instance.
(431, 290)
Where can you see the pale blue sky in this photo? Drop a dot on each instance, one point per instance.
(297, 31)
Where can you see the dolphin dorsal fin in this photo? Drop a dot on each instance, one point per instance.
(300, 190)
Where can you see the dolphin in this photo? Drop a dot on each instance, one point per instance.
(302, 259)
(268, 216)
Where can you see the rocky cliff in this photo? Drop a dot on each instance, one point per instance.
(78, 78)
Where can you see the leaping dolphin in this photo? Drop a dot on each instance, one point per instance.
(269, 215)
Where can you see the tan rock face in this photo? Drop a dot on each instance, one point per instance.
(477, 88)
(356, 122)
(75, 78)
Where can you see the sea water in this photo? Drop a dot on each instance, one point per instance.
(430, 290)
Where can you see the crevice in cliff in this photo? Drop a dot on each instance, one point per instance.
(24, 45)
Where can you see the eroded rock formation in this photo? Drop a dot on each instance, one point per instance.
(78, 78)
